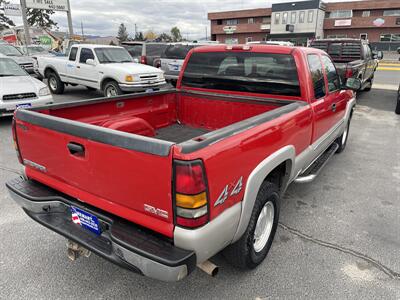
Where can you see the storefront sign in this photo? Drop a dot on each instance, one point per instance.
(229, 29)
(339, 23)
(48, 4)
(12, 10)
(379, 22)
(45, 40)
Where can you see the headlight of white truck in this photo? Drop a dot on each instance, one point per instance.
(131, 78)
(161, 76)
(44, 91)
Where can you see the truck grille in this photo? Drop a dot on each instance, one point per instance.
(146, 78)
(22, 96)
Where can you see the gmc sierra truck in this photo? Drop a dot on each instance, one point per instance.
(160, 182)
(353, 58)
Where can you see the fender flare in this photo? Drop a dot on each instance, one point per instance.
(107, 78)
(256, 178)
(50, 67)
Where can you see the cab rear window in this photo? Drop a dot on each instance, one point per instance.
(264, 73)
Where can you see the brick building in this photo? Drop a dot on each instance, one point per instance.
(375, 20)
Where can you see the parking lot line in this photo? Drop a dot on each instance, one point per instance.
(388, 69)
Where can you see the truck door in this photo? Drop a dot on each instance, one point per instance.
(336, 97)
(71, 65)
(87, 74)
(320, 105)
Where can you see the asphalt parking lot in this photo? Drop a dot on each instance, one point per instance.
(339, 236)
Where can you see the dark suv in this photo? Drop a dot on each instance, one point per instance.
(145, 53)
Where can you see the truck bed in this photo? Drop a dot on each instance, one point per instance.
(179, 133)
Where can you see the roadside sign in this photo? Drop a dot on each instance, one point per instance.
(45, 40)
(12, 10)
(61, 5)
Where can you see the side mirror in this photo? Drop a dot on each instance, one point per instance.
(353, 84)
(90, 62)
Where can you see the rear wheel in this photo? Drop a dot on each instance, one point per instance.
(342, 140)
(55, 84)
(252, 248)
(111, 89)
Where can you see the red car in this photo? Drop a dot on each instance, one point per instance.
(160, 182)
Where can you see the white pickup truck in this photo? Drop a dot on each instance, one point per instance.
(108, 68)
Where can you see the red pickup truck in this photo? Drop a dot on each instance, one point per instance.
(160, 182)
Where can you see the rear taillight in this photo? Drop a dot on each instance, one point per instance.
(15, 139)
(349, 73)
(143, 60)
(191, 203)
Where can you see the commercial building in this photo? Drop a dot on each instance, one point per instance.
(375, 20)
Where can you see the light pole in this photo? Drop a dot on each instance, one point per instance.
(27, 34)
(69, 16)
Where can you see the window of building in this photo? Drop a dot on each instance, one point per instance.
(310, 16)
(231, 41)
(341, 14)
(249, 39)
(366, 13)
(331, 74)
(266, 20)
(232, 22)
(392, 12)
(317, 75)
(277, 18)
(250, 20)
(219, 22)
(284, 18)
(390, 37)
(293, 16)
(301, 16)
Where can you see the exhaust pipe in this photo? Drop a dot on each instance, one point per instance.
(208, 267)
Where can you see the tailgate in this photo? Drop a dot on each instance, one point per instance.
(124, 174)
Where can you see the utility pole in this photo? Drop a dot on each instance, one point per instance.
(206, 34)
(27, 33)
(135, 30)
(83, 35)
(69, 15)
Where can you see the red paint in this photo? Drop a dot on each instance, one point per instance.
(121, 181)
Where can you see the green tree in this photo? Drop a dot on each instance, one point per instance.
(139, 36)
(164, 37)
(176, 34)
(5, 22)
(40, 18)
(122, 33)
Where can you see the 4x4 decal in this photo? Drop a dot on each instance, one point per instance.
(225, 193)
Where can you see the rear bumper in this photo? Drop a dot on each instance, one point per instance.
(120, 242)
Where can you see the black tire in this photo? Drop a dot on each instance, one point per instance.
(90, 88)
(111, 85)
(397, 111)
(55, 84)
(242, 254)
(369, 86)
(342, 140)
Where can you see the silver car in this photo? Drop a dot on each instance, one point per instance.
(26, 62)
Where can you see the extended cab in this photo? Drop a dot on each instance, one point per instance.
(160, 182)
(353, 58)
(108, 68)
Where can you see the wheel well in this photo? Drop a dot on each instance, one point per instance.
(105, 81)
(49, 70)
(280, 175)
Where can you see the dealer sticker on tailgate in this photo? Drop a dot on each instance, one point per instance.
(85, 219)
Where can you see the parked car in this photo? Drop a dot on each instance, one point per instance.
(107, 68)
(353, 58)
(160, 182)
(145, 53)
(398, 102)
(18, 89)
(33, 50)
(27, 63)
(172, 59)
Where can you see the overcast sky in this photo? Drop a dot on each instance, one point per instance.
(102, 17)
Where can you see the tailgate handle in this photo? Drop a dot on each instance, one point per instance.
(76, 149)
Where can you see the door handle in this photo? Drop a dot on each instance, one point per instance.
(333, 107)
(76, 149)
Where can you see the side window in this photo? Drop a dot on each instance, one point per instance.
(72, 54)
(85, 55)
(317, 75)
(331, 74)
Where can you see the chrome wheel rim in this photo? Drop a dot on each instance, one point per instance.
(264, 225)
(111, 91)
(344, 137)
(53, 83)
